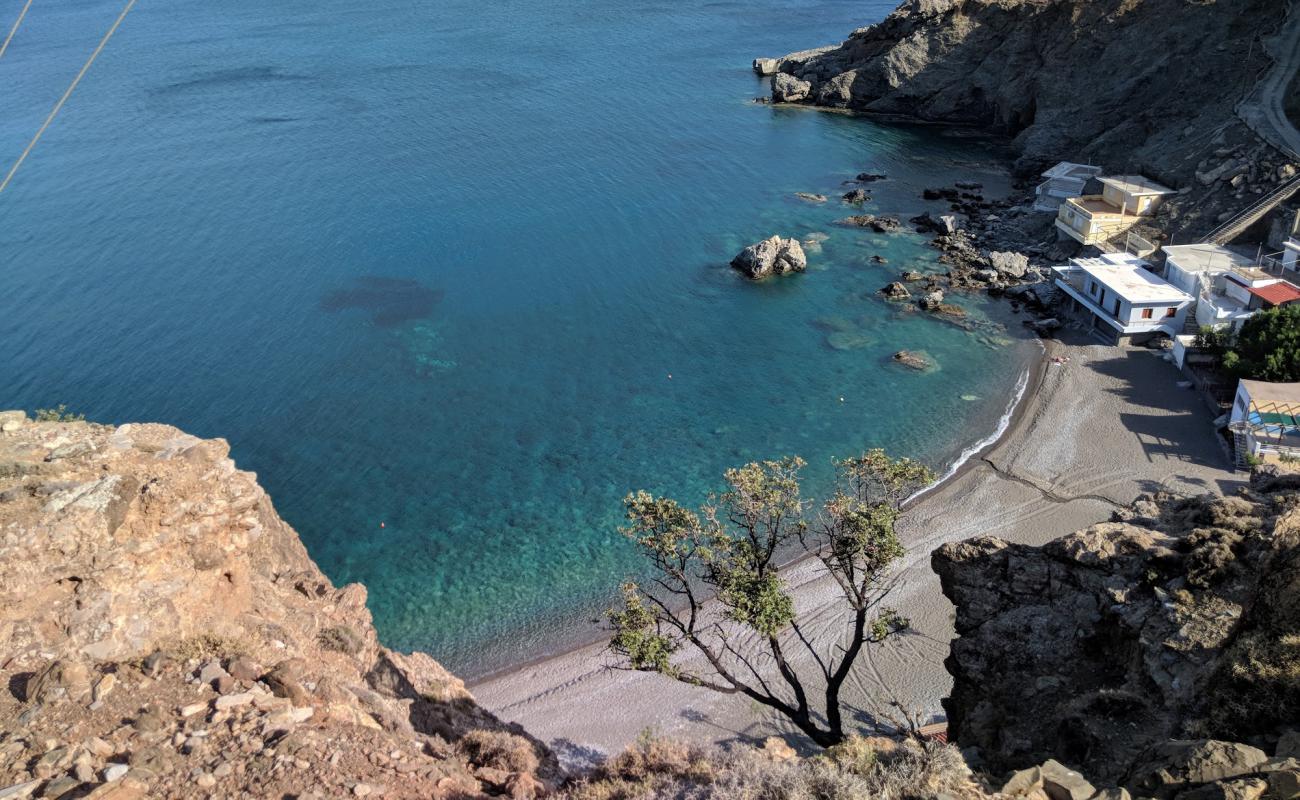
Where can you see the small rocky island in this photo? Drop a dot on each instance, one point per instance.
(772, 256)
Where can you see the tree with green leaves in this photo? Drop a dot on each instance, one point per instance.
(1268, 346)
(717, 613)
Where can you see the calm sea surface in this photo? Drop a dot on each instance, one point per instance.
(460, 269)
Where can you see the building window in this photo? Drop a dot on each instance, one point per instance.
(1147, 313)
(1092, 288)
(1171, 312)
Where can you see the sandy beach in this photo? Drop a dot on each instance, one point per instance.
(1090, 435)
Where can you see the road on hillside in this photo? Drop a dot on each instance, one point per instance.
(1264, 110)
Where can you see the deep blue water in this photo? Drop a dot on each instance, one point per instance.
(460, 268)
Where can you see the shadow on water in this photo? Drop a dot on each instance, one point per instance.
(388, 301)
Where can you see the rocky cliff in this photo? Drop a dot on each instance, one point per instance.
(164, 633)
(1130, 643)
(1136, 85)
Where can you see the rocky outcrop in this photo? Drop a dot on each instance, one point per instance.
(164, 633)
(772, 256)
(1128, 83)
(1176, 621)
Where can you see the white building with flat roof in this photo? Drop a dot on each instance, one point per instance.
(1125, 301)
(1063, 181)
(1226, 284)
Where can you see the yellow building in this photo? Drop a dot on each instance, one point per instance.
(1096, 218)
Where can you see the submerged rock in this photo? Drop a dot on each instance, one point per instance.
(849, 340)
(913, 359)
(811, 198)
(772, 256)
(870, 177)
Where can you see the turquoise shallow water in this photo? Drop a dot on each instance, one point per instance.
(432, 264)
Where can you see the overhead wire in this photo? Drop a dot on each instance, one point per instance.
(71, 87)
(14, 29)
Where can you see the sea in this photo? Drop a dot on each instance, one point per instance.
(452, 277)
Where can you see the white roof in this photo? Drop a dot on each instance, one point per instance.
(1136, 185)
(1068, 169)
(1206, 257)
(1132, 282)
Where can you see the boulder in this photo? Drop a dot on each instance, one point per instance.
(1062, 783)
(12, 420)
(772, 256)
(932, 300)
(896, 291)
(63, 679)
(856, 196)
(1014, 265)
(765, 66)
(786, 88)
(1171, 766)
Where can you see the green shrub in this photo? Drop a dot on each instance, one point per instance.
(59, 414)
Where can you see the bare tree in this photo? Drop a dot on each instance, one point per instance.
(717, 613)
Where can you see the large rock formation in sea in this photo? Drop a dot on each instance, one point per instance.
(1121, 649)
(1141, 85)
(163, 631)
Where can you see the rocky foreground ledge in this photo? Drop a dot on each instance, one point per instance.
(1159, 652)
(163, 633)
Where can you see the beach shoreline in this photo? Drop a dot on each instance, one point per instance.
(1096, 426)
(1022, 395)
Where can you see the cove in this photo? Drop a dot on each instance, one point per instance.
(451, 277)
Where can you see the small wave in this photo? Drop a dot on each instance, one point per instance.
(1003, 423)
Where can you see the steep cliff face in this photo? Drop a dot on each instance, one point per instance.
(1176, 621)
(1133, 84)
(161, 625)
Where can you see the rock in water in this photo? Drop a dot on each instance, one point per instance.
(877, 224)
(856, 196)
(765, 66)
(913, 360)
(771, 256)
(810, 197)
(1014, 265)
(896, 291)
(787, 88)
(932, 301)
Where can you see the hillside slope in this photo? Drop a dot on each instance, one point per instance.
(1146, 85)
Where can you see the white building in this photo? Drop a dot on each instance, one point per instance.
(1125, 300)
(1229, 287)
(1063, 181)
(1266, 419)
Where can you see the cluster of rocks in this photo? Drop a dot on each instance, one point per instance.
(772, 256)
(879, 224)
(164, 634)
(1195, 769)
(1152, 649)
